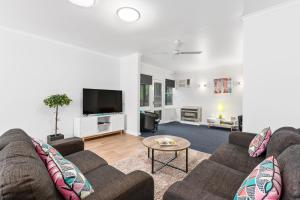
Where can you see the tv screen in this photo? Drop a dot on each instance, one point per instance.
(101, 101)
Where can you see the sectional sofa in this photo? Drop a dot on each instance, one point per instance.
(219, 177)
(23, 176)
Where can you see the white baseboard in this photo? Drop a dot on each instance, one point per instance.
(193, 123)
(134, 133)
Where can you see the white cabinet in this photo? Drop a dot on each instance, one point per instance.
(119, 122)
(98, 125)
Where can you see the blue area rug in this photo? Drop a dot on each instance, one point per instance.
(201, 137)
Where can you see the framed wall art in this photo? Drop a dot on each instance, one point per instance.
(223, 86)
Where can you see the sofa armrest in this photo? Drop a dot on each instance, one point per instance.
(68, 146)
(241, 138)
(137, 185)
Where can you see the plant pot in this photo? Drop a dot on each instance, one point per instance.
(51, 138)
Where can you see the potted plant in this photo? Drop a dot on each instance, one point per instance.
(56, 101)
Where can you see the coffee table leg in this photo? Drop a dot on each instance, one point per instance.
(187, 160)
(175, 154)
(148, 152)
(152, 161)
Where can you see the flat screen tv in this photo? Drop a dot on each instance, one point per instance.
(101, 101)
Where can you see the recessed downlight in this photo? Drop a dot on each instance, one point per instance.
(83, 3)
(128, 14)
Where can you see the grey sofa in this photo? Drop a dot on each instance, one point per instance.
(24, 176)
(219, 177)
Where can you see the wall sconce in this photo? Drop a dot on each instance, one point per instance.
(202, 85)
(238, 83)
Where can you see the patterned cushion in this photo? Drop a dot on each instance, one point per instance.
(68, 179)
(264, 182)
(259, 143)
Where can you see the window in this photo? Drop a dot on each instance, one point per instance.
(169, 96)
(146, 81)
(144, 95)
(170, 84)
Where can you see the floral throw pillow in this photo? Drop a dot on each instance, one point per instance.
(68, 179)
(259, 143)
(264, 182)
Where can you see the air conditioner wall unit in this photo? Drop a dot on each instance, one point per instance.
(186, 83)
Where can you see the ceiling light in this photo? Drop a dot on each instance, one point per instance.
(83, 3)
(128, 14)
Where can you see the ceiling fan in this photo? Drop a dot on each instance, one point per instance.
(177, 51)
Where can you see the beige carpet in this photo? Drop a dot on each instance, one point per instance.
(164, 178)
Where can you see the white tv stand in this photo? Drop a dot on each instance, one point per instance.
(97, 125)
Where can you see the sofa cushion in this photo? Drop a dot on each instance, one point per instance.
(101, 179)
(236, 157)
(23, 175)
(215, 178)
(259, 143)
(68, 179)
(264, 182)
(86, 160)
(18, 148)
(242, 139)
(184, 191)
(289, 165)
(12, 136)
(282, 139)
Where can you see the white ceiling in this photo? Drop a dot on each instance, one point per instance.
(256, 5)
(212, 26)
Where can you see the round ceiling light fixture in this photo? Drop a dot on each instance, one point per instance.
(83, 3)
(128, 14)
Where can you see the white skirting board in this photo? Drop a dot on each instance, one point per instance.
(193, 123)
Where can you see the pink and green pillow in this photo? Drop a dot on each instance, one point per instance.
(263, 183)
(68, 179)
(259, 143)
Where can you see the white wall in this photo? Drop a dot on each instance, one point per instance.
(130, 67)
(31, 68)
(157, 73)
(205, 97)
(160, 74)
(272, 68)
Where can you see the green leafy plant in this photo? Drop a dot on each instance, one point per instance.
(56, 101)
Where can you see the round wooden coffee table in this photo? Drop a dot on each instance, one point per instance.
(152, 145)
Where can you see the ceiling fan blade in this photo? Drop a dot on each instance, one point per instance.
(190, 52)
